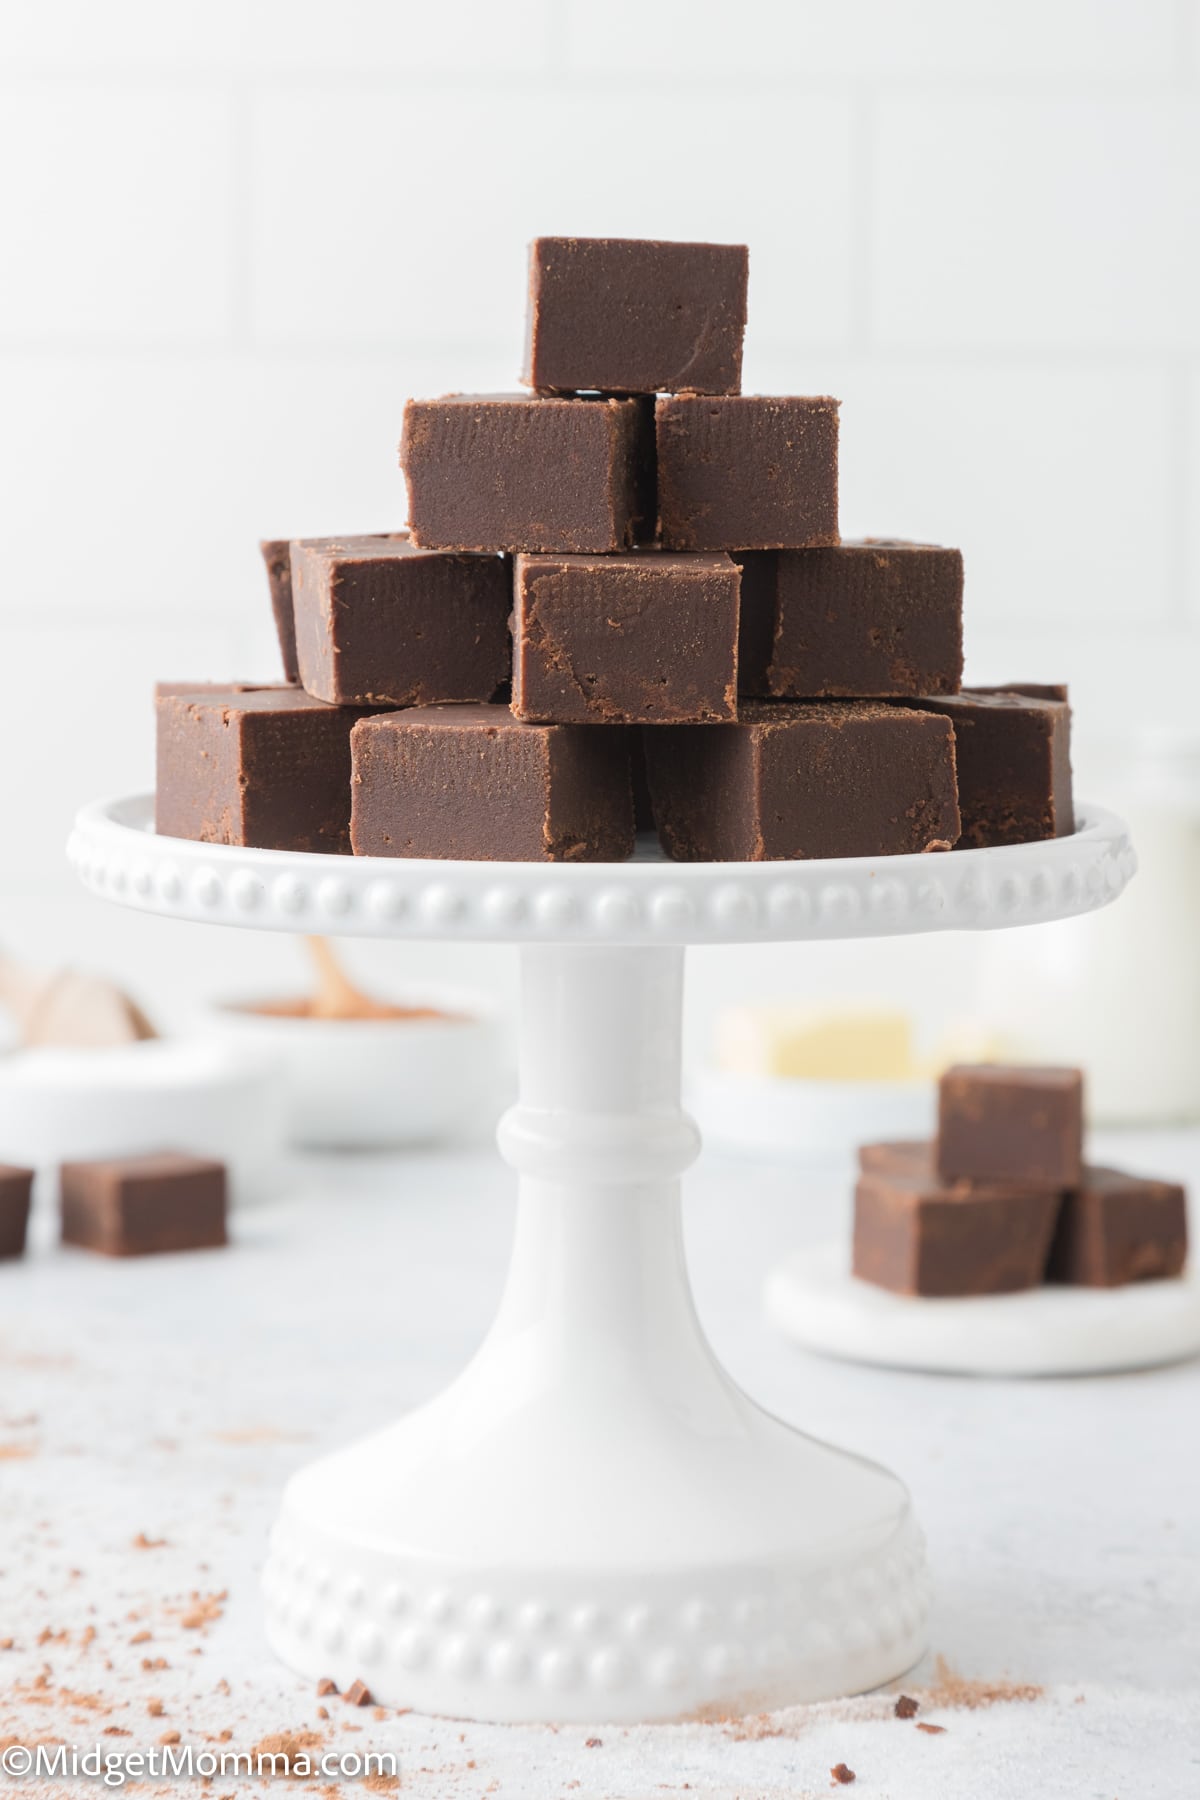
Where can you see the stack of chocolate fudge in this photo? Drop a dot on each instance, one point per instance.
(621, 603)
(1003, 1200)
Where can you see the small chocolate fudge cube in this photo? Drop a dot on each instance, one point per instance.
(834, 778)
(16, 1189)
(747, 472)
(269, 769)
(647, 638)
(1116, 1228)
(866, 619)
(1014, 766)
(997, 1123)
(380, 621)
(276, 553)
(632, 316)
(476, 783)
(916, 1235)
(508, 472)
(141, 1205)
(902, 1156)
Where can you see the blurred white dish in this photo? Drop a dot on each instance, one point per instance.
(59, 1105)
(373, 1083)
(815, 1300)
(763, 1115)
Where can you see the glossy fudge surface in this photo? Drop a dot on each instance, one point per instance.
(648, 638)
(379, 620)
(997, 1123)
(916, 1235)
(140, 1205)
(1116, 1228)
(511, 472)
(270, 768)
(1014, 766)
(16, 1189)
(276, 555)
(867, 619)
(476, 783)
(795, 781)
(634, 316)
(747, 472)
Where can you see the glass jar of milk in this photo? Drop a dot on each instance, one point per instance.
(1118, 991)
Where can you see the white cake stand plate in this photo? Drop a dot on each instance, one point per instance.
(815, 1300)
(593, 1522)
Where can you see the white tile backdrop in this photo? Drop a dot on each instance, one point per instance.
(234, 234)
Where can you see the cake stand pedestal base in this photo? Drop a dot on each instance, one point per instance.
(593, 1522)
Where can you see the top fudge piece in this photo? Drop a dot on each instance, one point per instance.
(507, 472)
(269, 769)
(649, 638)
(747, 472)
(791, 781)
(1014, 766)
(1011, 1124)
(631, 316)
(379, 620)
(275, 553)
(473, 782)
(867, 619)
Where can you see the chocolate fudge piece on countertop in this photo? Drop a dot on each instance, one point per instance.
(916, 1235)
(999, 1123)
(475, 782)
(901, 1156)
(789, 780)
(1116, 1228)
(139, 1205)
(381, 621)
(635, 316)
(276, 555)
(16, 1190)
(869, 618)
(269, 768)
(645, 638)
(1014, 766)
(747, 471)
(514, 472)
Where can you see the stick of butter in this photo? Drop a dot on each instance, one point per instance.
(811, 1044)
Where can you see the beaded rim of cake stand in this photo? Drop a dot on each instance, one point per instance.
(118, 856)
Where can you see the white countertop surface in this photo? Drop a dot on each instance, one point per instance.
(171, 1397)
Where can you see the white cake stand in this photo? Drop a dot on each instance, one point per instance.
(593, 1522)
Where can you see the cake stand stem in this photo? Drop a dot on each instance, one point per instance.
(594, 1522)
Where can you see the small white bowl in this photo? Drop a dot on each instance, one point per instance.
(376, 1083)
(763, 1115)
(62, 1105)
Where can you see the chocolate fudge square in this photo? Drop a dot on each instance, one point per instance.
(269, 769)
(509, 472)
(788, 781)
(142, 1205)
(916, 1235)
(276, 554)
(747, 472)
(16, 1190)
(647, 638)
(475, 782)
(900, 1156)
(1117, 1228)
(1011, 1124)
(1014, 766)
(871, 618)
(635, 316)
(381, 621)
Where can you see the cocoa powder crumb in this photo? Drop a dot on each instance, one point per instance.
(169, 1737)
(141, 1637)
(933, 1730)
(594, 1743)
(358, 1694)
(326, 1686)
(154, 1708)
(906, 1707)
(142, 1542)
(322, 1712)
(842, 1775)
